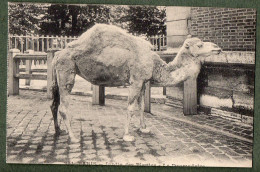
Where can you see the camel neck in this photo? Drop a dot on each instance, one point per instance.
(176, 71)
(180, 60)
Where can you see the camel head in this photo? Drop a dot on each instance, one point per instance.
(187, 62)
(198, 48)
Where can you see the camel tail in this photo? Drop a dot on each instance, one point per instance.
(55, 90)
(56, 101)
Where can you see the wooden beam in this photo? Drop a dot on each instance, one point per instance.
(190, 97)
(34, 70)
(30, 76)
(42, 56)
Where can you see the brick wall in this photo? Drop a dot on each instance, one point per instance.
(233, 29)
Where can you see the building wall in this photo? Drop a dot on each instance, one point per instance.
(177, 25)
(233, 29)
(226, 82)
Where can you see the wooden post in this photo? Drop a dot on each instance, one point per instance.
(190, 97)
(50, 55)
(147, 97)
(28, 69)
(164, 91)
(13, 68)
(98, 96)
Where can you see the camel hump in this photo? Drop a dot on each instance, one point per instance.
(112, 34)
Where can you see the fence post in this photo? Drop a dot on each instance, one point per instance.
(147, 97)
(164, 91)
(50, 55)
(28, 69)
(190, 97)
(98, 96)
(13, 68)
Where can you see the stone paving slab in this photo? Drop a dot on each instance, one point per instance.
(172, 141)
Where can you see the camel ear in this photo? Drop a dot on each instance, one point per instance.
(186, 45)
(189, 36)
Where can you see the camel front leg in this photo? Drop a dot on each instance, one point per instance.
(63, 110)
(133, 107)
(130, 112)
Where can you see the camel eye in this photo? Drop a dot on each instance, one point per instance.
(199, 45)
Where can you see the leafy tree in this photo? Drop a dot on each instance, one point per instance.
(148, 20)
(118, 15)
(73, 19)
(24, 18)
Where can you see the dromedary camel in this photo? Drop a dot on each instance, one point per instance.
(108, 56)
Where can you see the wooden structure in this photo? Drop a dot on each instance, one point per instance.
(14, 59)
(98, 97)
(44, 43)
(37, 42)
(189, 94)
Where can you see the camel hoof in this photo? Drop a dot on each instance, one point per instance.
(58, 131)
(145, 130)
(128, 138)
(74, 140)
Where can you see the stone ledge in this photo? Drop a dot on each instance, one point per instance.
(239, 57)
(229, 57)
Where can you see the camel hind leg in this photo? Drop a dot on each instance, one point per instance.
(65, 74)
(140, 101)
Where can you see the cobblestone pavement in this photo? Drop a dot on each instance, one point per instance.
(174, 139)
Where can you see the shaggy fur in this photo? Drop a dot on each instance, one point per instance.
(106, 55)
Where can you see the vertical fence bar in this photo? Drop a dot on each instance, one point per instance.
(64, 42)
(50, 42)
(15, 43)
(13, 68)
(33, 43)
(159, 43)
(26, 44)
(37, 42)
(147, 97)
(190, 97)
(22, 44)
(10, 42)
(57, 42)
(42, 43)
